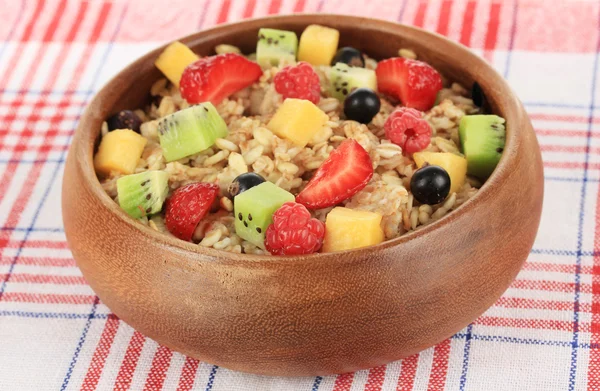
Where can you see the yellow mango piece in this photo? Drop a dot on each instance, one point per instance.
(455, 165)
(119, 150)
(174, 59)
(318, 44)
(346, 229)
(298, 120)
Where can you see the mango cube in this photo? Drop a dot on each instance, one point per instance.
(298, 120)
(120, 151)
(318, 44)
(455, 165)
(346, 229)
(173, 61)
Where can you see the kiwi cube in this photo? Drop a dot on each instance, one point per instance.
(275, 46)
(344, 79)
(482, 138)
(190, 131)
(143, 194)
(254, 210)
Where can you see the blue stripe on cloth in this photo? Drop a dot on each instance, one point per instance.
(211, 377)
(466, 355)
(575, 341)
(51, 315)
(97, 72)
(317, 383)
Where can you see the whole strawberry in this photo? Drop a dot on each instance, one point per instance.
(187, 206)
(298, 81)
(407, 128)
(294, 231)
(212, 79)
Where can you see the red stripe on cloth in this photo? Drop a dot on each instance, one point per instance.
(562, 118)
(439, 367)
(34, 244)
(45, 279)
(188, 374)
(249, 9)
(92, 377)
(39, 261)
(553, 305)
(158, 370)
(567, 133)
(55, 20)
(343, 382)
(34, 19)
(553, 267)
(593, 370)
(48, 298)
(419, 20)
(572, 165)
(569, 148)
(375, 378)
(299, 6)
(12, 117)
(78, 20)
(445, 11)
(492, 27)
(274, 7)
(224, 12)
(552, 286)
(467, 24)
(132, 355)
(408, 371)
(543, 324)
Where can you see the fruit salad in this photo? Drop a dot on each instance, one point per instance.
(300, 147)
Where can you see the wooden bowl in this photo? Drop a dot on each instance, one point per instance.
(319, 314)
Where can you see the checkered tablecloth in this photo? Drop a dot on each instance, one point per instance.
(543, 334)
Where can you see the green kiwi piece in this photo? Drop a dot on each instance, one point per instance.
(345, 79)
(482, 138)
(274, 46)
(143, 194)
(254, 210)
(190, 131)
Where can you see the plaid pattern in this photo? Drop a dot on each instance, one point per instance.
(543, 334)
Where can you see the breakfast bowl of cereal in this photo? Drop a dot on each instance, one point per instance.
(303, 194)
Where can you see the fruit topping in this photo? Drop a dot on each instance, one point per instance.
(244, 182)
(173, 60)
(143, 194)
(415, 83)
(362, 105)
(482, 138)
(119, 151)
(212, 79)
(349, 55)
(275, 46)
(187, 206)
(318, 44)
(253, 211)
(430, 185)
(345, 79)
(346, 229)
(190, 131)
(224, 48)
(455, 166)
(298, 81)
(344, 173)
(298, 120)
(407, 128)
(294, 231)
(125, 119)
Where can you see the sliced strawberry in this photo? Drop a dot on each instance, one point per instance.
(415, 83)
(187, 206)
(344, 173)
(212, 79)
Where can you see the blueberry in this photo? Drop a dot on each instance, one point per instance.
(244, 182)
(350, 56)
(430, 185)
(362, 105)
(125, 119)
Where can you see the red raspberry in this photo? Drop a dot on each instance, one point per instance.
(294, 232)
(407, 128)
(298, 81)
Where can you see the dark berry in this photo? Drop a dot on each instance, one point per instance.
(125, 119)
(477, 95)
(430, 185)
(244, 182)
(362, 105)
(349, 55)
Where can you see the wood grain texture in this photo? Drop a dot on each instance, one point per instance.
(319, 314)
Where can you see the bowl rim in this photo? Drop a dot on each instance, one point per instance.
(503, 94)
